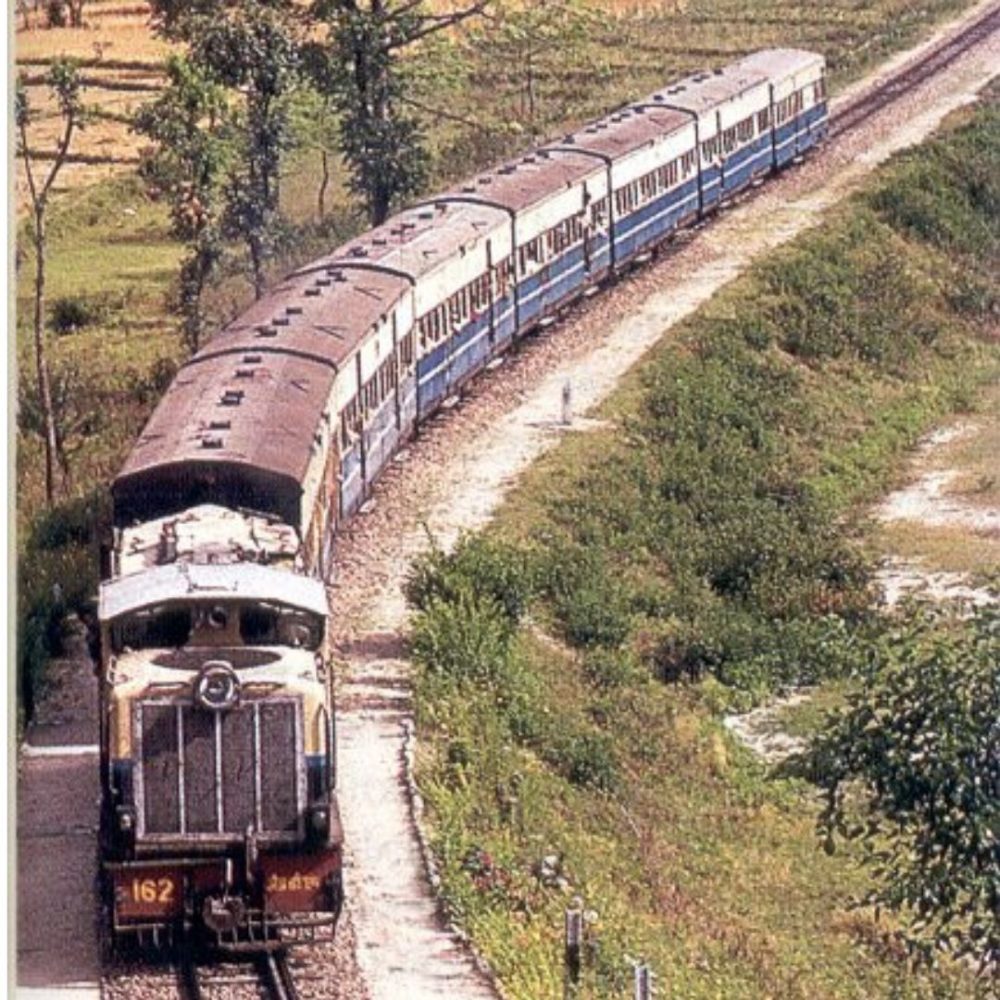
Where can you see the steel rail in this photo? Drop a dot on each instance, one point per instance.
(937, 58)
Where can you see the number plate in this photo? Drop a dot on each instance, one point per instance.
(142, 893)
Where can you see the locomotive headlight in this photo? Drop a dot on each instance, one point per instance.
(217, 687)
(126, 819)
(319, 822)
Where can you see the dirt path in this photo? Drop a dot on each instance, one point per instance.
(57, 809)
(454, 476)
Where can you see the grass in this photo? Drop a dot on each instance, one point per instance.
(695, 541)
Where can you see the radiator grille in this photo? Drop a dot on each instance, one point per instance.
(215, 774)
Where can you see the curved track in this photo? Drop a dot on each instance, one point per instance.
(931, 62)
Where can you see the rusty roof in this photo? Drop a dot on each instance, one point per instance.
(626, 130)
(703, 91)
(525, 181)
(259, 410)
(417, 241)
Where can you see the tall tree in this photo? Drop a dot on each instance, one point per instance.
(188, 121)
(64, 82)
(526, 43)
(382, 140)
(912, 769)
(249, 47)
(254, 51)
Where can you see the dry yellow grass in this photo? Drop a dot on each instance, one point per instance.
(121, 65)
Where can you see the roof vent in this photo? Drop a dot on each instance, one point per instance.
(313, 292)
(569, 139)
(508, 169)
(485, 180)
(280, 321)
(266, 331)
(293, 310)
(468, 189)
(232, 397)
(719, 72)
(409, 225)
(251, 359)
(528, 159)
(244, 373)
(380, 241)
(211, 441)
(219, 425)
(657, 97)
(425, 215)
(359, 251)
(323, 282)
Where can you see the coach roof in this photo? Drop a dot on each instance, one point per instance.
(628, 129)
(704, 91)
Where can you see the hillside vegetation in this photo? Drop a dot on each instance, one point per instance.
(703, 550)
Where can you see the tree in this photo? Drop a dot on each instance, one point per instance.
(382, 141)
(524, 43)
(911, 769)
(253, 50)
(64, 82)
(188, 122)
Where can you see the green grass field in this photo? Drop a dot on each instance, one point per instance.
(573, 765)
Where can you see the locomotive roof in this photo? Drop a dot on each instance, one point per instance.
(627, 129)
(185, 581)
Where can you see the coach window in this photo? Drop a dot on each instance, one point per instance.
(763, 120)
(405, 348)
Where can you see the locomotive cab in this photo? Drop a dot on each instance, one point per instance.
(219, 816)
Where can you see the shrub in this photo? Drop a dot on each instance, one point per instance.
(72, 313)
(609, 670)
(464, 639)
(479, 565)
(586, 759)
(918, 745)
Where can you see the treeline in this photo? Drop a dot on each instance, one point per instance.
(706, 552)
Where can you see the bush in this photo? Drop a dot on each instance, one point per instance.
(79, 521)
(918, 745)
(479, 565)
(587, 759)
(71, 314)
(464, 639)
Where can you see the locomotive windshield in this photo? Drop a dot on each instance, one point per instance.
(217, 624)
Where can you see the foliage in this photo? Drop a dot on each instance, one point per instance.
(486, 566)
(361, 68)
(705, 536)
(527, 43)
(920, 742)
(188, 121)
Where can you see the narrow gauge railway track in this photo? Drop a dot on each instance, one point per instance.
(928, 64)
(267, 976)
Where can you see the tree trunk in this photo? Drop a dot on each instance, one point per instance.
(324, 183)
(41, 361)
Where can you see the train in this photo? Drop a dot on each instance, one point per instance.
(219, 816)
